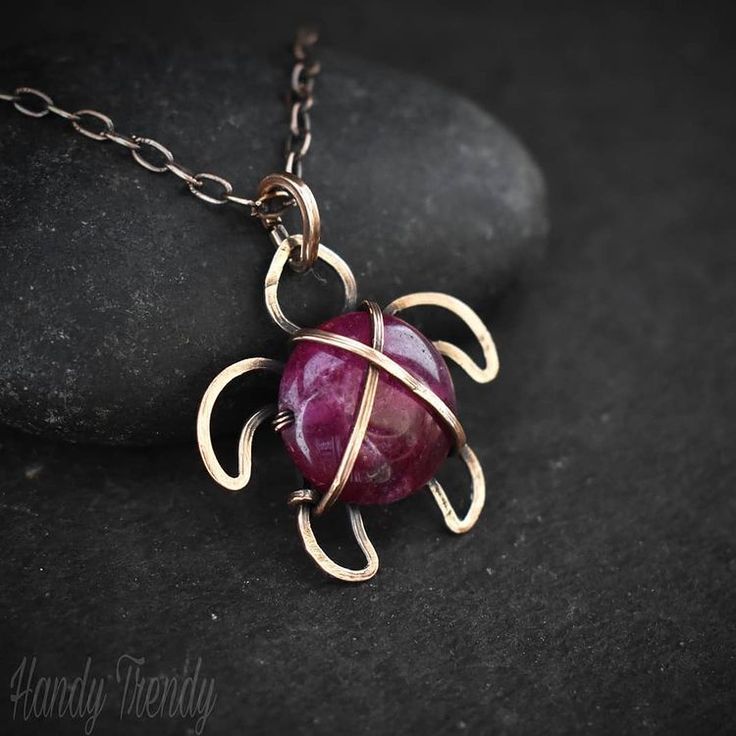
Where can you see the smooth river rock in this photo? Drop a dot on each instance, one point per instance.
(121, 295)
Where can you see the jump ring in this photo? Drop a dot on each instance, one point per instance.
(276, 270)
(267, 211)
(302, 259)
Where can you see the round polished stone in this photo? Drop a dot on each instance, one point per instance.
(405, 443)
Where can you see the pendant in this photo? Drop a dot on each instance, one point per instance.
(366, 405)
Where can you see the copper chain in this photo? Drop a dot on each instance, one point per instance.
(157, 158)
(305, 69)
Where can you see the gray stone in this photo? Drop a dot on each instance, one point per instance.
(121, 295)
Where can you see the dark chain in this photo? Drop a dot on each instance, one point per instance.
(157, 158)
(303, 74)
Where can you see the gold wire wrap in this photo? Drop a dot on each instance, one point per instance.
(378, 360)
(362, 418)
(482, 375)
(302, 251)
(282, 419)
(477, 495)
(382, 361)
(303, 499)
(470, 318)
(204, 417)
(285, 247)
(308, 500)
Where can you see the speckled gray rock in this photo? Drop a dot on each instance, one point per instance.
(121, 295)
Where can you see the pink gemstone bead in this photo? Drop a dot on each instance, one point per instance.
(405, 443)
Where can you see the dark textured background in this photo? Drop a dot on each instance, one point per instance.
(121, 300)
(597, 593)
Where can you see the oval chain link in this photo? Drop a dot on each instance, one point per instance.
(97, 126)
(158, 159)
(303, 74)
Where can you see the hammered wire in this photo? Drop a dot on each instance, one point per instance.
(375, 357)
(362, 417)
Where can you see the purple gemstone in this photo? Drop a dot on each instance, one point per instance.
(405, 443)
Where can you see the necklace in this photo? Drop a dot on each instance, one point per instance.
(366, 406)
